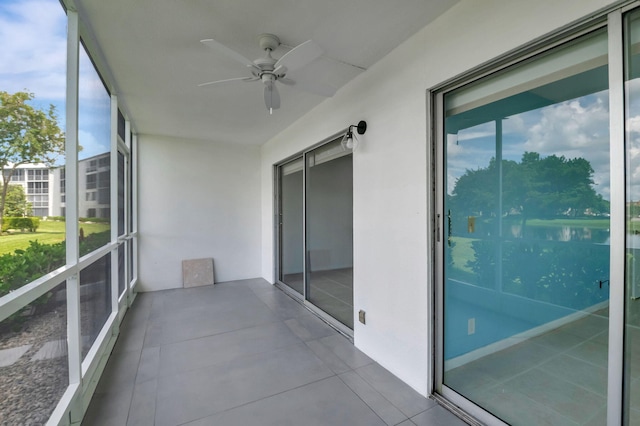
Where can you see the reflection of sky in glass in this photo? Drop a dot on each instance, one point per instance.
(633, 140)
(94, 111)
(574, 128)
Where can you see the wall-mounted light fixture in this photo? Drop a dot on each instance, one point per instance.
(348, 140)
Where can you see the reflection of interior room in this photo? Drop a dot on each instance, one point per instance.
(328, 198)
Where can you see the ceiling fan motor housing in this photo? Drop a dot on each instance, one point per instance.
(268, 41)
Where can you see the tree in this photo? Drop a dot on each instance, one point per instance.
(534, 188)
(27, 135)
(16, 204)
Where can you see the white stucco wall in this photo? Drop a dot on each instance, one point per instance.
(392, 267)
(197, 199)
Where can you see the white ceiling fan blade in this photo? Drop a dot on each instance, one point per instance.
(215, 45)
(229, 80)
(300, 56)
(287, 81)
(271, 96)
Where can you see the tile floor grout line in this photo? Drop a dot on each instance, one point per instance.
(215, 334)
(243, 356)
(371, 384)
(533, 402)
(256, 400)
(376, 391)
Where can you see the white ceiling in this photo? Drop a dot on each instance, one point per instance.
(154, 53)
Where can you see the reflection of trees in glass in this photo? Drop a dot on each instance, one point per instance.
(534, 188)
(27, 135)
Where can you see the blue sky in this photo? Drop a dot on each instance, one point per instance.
(33, 58)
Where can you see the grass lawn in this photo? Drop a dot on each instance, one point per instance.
(633, 226)
(49, 232)
(461, 253)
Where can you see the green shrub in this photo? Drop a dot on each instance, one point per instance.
(22, 223)
(565, 274)
(23, 266)
(57, 218)
(94, 241)
(94, 219)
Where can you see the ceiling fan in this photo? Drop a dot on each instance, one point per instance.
(269, 70)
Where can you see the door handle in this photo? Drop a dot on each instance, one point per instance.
(449, 227)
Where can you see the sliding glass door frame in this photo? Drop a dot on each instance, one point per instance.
(612, 20)
(278, 234)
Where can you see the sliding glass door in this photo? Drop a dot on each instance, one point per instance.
(526, 234)
(315, 229)
(329, 213)
(632, 288)
(291, 213)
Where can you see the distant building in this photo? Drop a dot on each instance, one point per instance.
(38, 181)
(94, 186)
(45, 187)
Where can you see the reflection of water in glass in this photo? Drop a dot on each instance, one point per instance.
(562, 233)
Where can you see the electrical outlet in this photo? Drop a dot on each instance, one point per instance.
(361, 316)
(471, 326)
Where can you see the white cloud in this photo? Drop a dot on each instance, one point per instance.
(33, 54)
(633, 124)
(633, 170)
(91, 145)
(90, 86)
(571, 126)
(577, 128)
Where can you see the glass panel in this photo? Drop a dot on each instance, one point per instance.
(329, 201)
(121, 194)
(526, 220)
(291, 227)
(94, 158)
(95, 300)
(122, 283)
(130, 208)
(632, 299)
(130, 257)
(34, 368)
(32, 93)
(121, 126)
(121, 222)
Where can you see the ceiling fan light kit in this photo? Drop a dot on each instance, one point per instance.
(269, 70)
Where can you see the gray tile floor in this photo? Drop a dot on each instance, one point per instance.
(330, 290)
(244, 353)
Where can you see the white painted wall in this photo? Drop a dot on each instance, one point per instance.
(392, 267)
(197, 199)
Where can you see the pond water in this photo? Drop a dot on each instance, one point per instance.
(561, 233)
